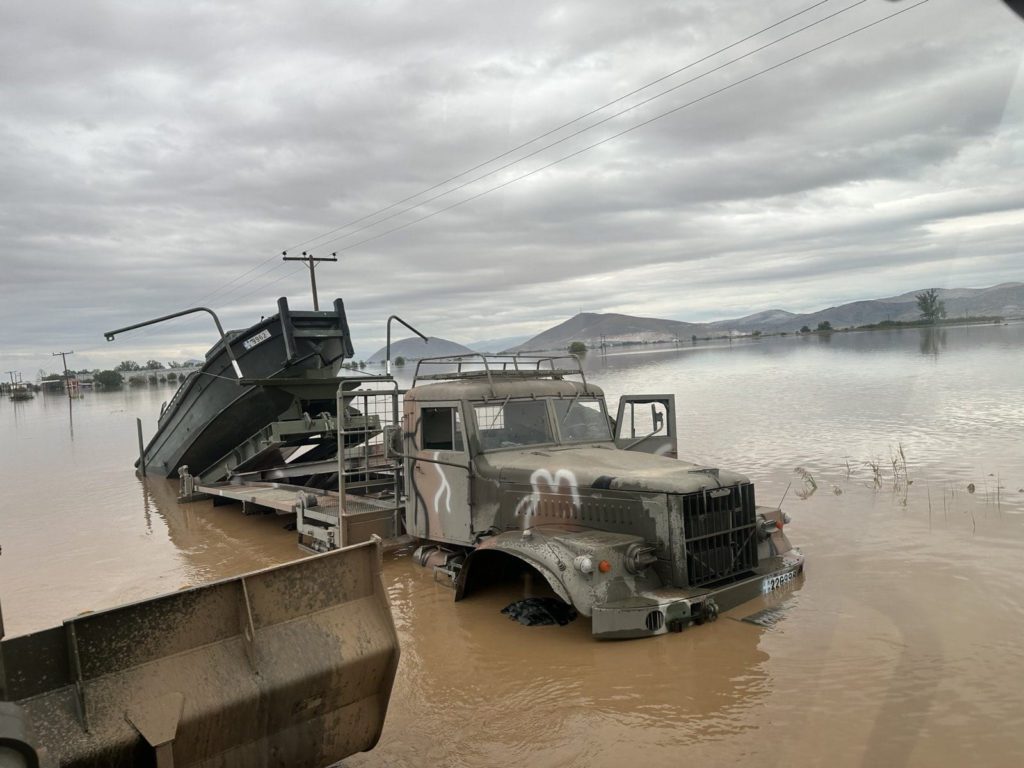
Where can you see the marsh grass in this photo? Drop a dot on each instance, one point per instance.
(876, 472)
(970, 499)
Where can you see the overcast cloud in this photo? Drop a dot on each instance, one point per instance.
(152, 153)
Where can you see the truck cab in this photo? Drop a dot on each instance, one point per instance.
(508, 457)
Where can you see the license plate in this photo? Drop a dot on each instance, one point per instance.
(252, 341)
(772, 583)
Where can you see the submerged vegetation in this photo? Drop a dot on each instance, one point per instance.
(968, 499)
(108, 379)
(894, 324)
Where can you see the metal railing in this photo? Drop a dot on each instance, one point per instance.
(489, 366)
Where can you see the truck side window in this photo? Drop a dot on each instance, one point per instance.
(441, 429)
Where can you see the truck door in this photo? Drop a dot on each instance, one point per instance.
(439, 480)
(647, 423)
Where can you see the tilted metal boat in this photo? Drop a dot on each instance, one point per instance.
(287, 362)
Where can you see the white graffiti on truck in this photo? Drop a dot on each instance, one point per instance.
(445, 490)
(543, 482)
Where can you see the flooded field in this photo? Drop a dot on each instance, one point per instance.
(902, 465)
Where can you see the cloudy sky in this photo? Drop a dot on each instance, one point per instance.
(159, 155)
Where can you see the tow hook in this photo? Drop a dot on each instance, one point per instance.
(708, 612)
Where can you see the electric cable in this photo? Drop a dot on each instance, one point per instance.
(630, 129)
(602, 121)
(478, 166)
(560, 127)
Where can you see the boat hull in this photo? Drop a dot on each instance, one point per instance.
(214, 409)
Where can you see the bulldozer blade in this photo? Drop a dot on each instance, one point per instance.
(288, 666)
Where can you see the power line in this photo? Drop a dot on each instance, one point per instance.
(602, 121)
(224, 295)
(225, 285)
(272, 282)
(631, 128)
(554, 130)
(560, 127)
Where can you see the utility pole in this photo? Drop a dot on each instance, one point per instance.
(311, 262)
(67, 381)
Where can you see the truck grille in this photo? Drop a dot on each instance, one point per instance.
(720, 532)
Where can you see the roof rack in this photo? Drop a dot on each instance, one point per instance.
(498, 366)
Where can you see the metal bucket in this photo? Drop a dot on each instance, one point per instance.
(288, 666)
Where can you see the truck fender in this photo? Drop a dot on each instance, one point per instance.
(537, 555)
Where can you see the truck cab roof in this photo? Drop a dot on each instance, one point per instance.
(499, 387)
(488, 377)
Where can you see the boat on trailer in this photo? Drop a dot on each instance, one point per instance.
(286, 364)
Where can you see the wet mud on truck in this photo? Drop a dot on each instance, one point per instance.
(515, 461)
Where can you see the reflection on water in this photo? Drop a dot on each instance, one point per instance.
(894, 650)
(933, 340)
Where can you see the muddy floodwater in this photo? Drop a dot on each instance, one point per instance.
(901, 459)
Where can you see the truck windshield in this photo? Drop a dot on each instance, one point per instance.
(582, 419)
(513, 423)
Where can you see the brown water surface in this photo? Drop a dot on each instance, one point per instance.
(901, 646)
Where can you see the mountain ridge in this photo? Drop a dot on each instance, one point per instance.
(414, 348)
(1003, 299)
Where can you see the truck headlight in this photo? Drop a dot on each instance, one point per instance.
(639, 557)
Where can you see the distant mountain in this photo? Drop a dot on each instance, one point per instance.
(416, 349)
(590, 327)
(1006, 300)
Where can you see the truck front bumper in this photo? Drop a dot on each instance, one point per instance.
(656, 612)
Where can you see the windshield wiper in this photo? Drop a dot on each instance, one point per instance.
(567, 410)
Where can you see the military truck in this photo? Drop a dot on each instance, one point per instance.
(510, 460)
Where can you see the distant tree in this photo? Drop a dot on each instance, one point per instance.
(128, 365)
(154, 365)
(824, 325)
(362, 364)
(577, 348)
(172, 376)
(109, 379)
(805, 329)
(136, 381)
(694, 338)
(399, 361)
(173, 364)
(52, 377)
(755, 334)
(932, 308)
